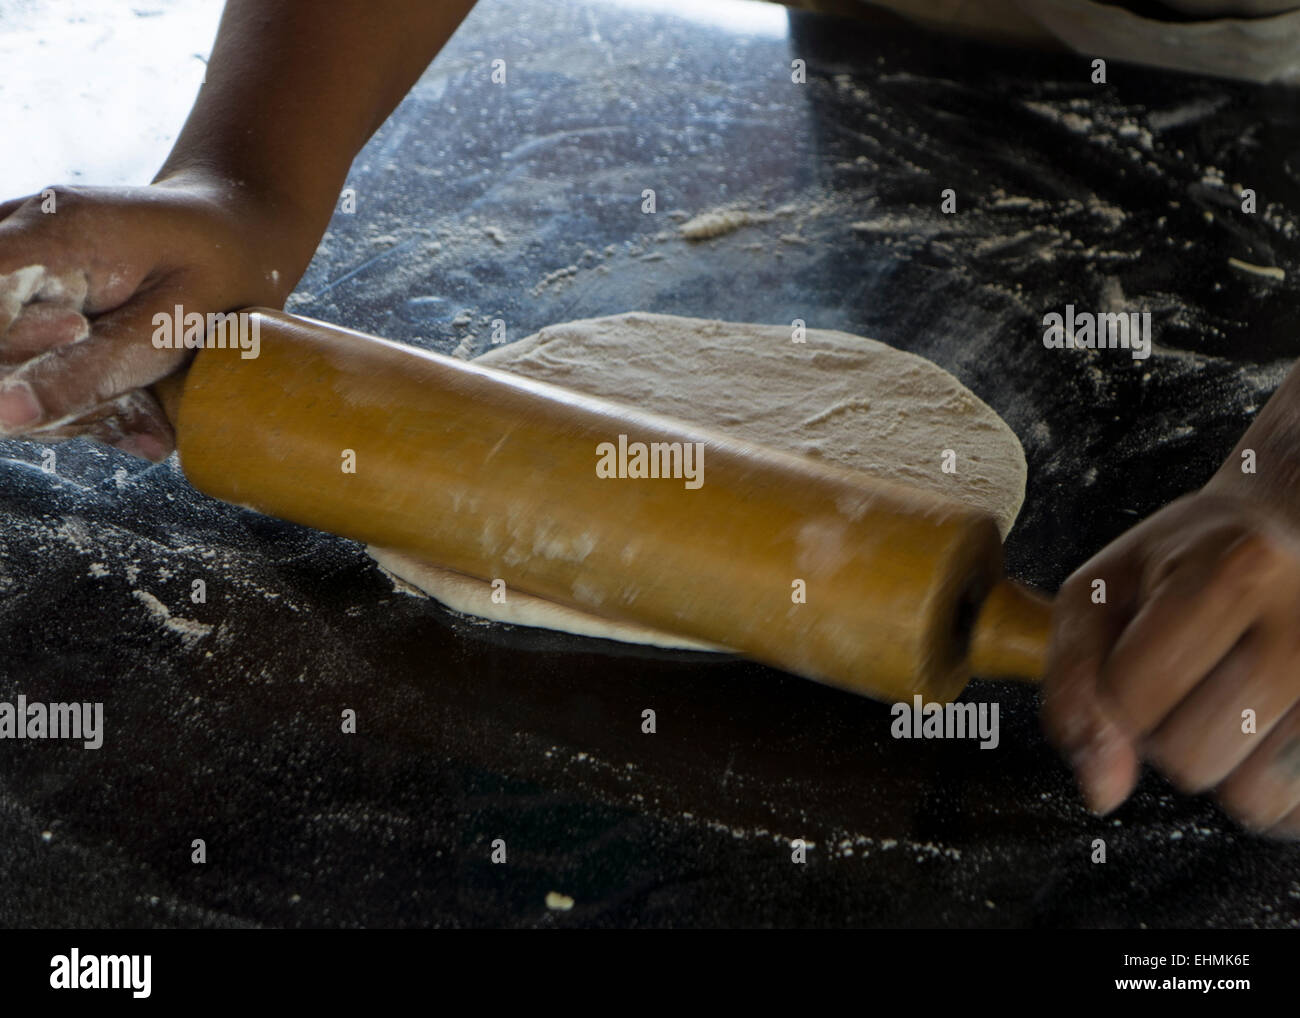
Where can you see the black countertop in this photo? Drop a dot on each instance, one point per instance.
(223, 719)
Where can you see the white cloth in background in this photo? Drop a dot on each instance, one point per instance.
(1254, 40)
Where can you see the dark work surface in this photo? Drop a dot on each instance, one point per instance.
(223, 718)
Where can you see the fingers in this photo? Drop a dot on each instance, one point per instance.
(39, 327)
(1221, 723)
(134, 422)
(67, 382)
(1196, 614)
(68, 287)
(40, 309)
(17, 288)
(40, 312)
(1077, 716)
(1264, 791)
(93, 256)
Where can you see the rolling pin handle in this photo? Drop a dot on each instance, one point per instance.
(1011, 634)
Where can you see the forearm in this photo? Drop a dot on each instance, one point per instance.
(294, 89)
(1274, 441)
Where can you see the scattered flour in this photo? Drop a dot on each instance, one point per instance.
(559, 276)
(1268, 271)
(189, 630)
(718, 222)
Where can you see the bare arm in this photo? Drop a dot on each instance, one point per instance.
(294, 88)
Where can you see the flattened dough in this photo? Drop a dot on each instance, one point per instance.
(838, 397)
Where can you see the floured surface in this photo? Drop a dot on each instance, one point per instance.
(472, 731)
(839, 398)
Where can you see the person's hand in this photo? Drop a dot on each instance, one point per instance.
(76, 349)
(1192, 663)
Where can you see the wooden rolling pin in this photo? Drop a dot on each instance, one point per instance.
(494, 475)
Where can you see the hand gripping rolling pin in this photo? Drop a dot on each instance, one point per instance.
(494, 475)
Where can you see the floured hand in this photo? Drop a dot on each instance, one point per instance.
(80, 286)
